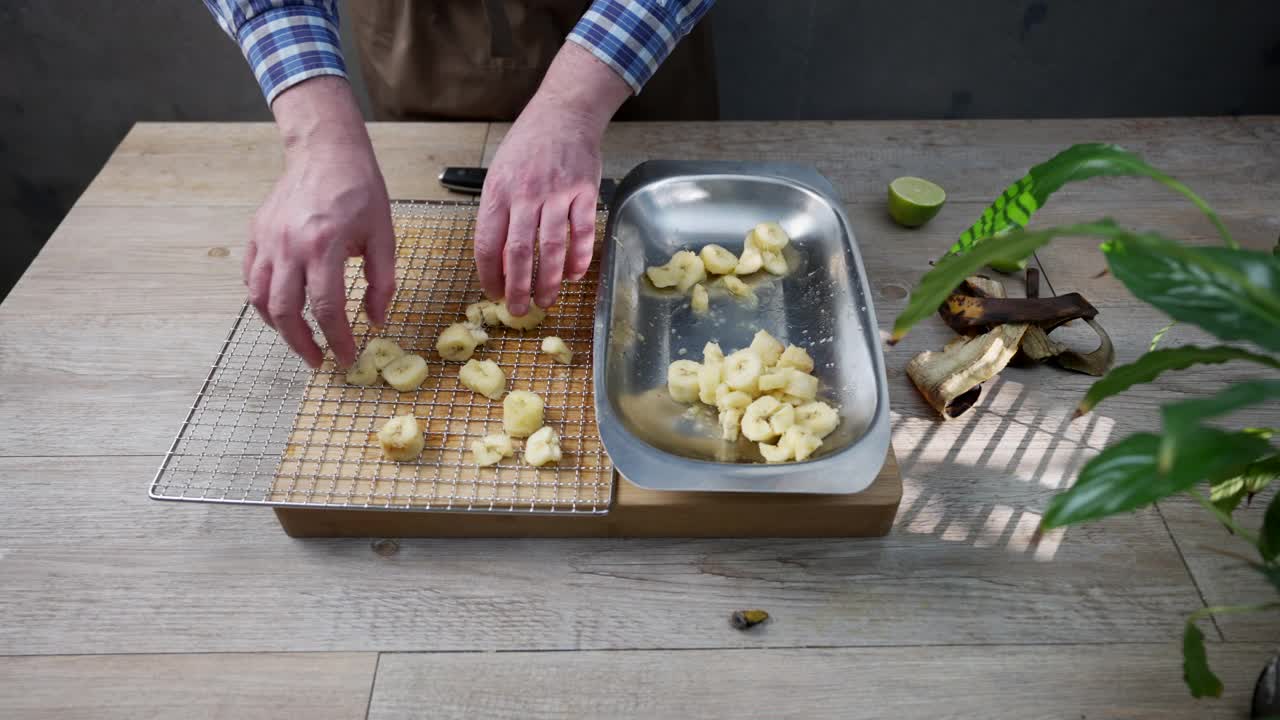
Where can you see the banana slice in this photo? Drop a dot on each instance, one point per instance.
(742, 371)
(531, 319)
(771, 381)
(682, 380)
(401, 438)
(406, 372)
(484, 312)
(521, 413)
(750, 261)
(755, 420)
(383, 351)
(711, 352)
(364, 372)
(796, 357)
(767, 347)
(736, 287)
(775, 453)
(774, 263)
(718, 260)
(484, 377)
(542, 447)
(818, 418)
(689, 268)
(782, 419)
(801, 385)
(723, 390)
(662, 276)
(733, 400)
(711, 374)
(800, 442)
(730, 422)
(490, 449)
(699, 302)
(459, 340)
(558, 351)
(768, 237)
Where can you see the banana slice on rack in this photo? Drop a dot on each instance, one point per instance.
(683, 381)
(755, 420)
(531, 319)
(796, 357)
(521, 413)
(800, 442)
(364, 372)
(768, 237)
(383, 351)
(818, 418)
(406, 372)
(484, 377)
(557, 349)
(742, 371)
(699, 301)
(717, 260)
(401, 438)
(542, 447)
(750, 261)
(490, 449)
(459, 341)
(484, 312)
(767, 347)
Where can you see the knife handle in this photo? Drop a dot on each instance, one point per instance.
(469, 180)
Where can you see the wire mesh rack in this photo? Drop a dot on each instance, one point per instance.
(264, 429)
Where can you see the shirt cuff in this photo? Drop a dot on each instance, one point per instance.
(632, 38)
(287, 45)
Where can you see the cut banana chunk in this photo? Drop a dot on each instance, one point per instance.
(542, 447)
(558, 351)
(484, 312)
(782, 418)
(767, 347)
(521, 413)
(733, 400)
(818, 418)
(383, 351)
(459, 341)
(718, 260)
(737, 288)
(775, 453)
(682, 380)
(723, 390)
(490, 449)
(742, 371)
(689, 269)
(710, 375)
(406, 372)
(364, 372)
(768, 237)
(662, 276)
(755, 420)
(730, 422)
(771, 381)
(796, 357)
(800, 442)
(750, 261)
(484, 377)
(801, 385)
(774, 263)
(711, 352)
(699, 301)
(401, 438)
(531, 319)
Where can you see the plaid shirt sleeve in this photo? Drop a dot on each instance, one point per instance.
(634, 36)
(285, 41)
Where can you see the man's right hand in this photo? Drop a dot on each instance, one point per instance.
(330, 204)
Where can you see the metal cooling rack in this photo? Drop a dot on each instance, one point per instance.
(266, 430)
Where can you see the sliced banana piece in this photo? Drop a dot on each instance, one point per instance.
(490, 449)
(750, 261)
(483, 377)
(737, 288)
(718, 260)
(682, 380)
(775, 453)
(733, 400)
(531, 319)
(699, 301)
(484, 312)
(755, 419)
(406, 372)
(742, 371)
(662, 276)
(689, 269)
(796, 357)
(767, 347)
(459, 341)
(711, 374)
(364, 372)
(782, 418)
(542, 447)
(768, 237)
(723, 390)
(730, 423)
(773, 380)
(711, 352)
(774, 263)
(521, 413)
(801, 385)
(383, 351)
(800, 442)
(401, 438)
(557, 349)
(818, 418)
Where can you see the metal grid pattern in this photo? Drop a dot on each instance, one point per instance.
(264, 429)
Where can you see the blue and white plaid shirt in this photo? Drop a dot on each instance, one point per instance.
(288, 41)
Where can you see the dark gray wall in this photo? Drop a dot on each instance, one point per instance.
(76, 74)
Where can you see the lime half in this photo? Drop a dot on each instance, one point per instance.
(914, 201)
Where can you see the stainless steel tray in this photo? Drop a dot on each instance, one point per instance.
(822, 304)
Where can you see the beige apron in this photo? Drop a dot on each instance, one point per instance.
(482, 60)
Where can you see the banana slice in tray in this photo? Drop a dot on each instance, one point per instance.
(401, 438)
(483, 377)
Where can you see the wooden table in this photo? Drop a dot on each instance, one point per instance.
(112, 605)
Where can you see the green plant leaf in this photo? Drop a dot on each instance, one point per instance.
(1182, 415)
(939, 282)
(1195, 664)
(1269, 536)
(1233, 294)
(1271, 572)
(1151, 365)
(1015, 206)
(1227, 493)
(1126, 476)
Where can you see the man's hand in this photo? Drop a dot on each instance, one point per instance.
(544, 182)
(330, 204)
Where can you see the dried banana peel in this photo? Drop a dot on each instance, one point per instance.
(1095, 363)
(950, 379)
